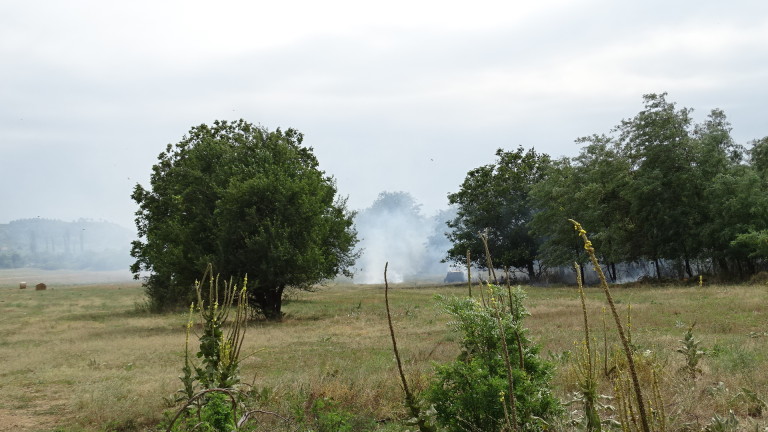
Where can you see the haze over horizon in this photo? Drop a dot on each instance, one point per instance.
(400, 96)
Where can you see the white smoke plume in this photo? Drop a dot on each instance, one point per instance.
(394, 230)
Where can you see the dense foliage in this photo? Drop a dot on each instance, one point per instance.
(495, 198)
(247, 200)
(472, 392)
(658, 189)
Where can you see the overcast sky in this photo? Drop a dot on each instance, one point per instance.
(394, 95)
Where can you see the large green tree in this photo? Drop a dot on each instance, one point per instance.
(664, 192)
(495, 198)
(251, 202)
(588, 188)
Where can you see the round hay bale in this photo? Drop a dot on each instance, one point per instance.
(40, 287)
(22, 285)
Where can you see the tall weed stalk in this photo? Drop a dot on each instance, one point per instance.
(223, 313)
(588, 382)
(410, 400)
(641, 408)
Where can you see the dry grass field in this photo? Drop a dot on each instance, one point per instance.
(90, 358)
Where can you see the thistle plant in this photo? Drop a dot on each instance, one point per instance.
(690, 350)
(723, 424)
(755, 405)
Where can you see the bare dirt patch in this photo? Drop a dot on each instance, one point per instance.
(26, 420)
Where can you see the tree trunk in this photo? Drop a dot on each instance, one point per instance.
(751, 270)
(612, 272)
(531, 272)
(269, 301)
(688, 267)
(658, 270)
(722, 263)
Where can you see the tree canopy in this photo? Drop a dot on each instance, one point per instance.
(659, 188)
(247, 200)
(495, 198)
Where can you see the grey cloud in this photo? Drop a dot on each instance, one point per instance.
(390, 109)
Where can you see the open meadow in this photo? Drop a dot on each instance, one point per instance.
(91, 358)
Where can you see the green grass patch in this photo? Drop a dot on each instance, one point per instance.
(86, 358)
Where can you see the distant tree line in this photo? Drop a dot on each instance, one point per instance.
(658, 189)
(54, 244)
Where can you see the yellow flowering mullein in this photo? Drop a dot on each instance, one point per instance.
(225, 350)
(588, 383)
(190, 322)
(510, 425)
(187, 379)
(619, 327)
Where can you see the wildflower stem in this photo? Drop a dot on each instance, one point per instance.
(410, 401)
(625, 343)
(469, 274)
(507, 362)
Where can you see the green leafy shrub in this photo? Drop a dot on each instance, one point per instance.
(217, 414)
(330, 417)
(324, 414)
(472, 392)
(760, 278)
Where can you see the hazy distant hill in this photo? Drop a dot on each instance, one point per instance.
(55, 244)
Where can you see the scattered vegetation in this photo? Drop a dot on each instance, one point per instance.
(93, 362)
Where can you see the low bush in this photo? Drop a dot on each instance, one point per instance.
(498, 382)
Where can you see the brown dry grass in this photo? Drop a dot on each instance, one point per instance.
(86, 357)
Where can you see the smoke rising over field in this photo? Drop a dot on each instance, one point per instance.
(393, 229)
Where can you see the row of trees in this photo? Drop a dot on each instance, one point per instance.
(659, 188)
